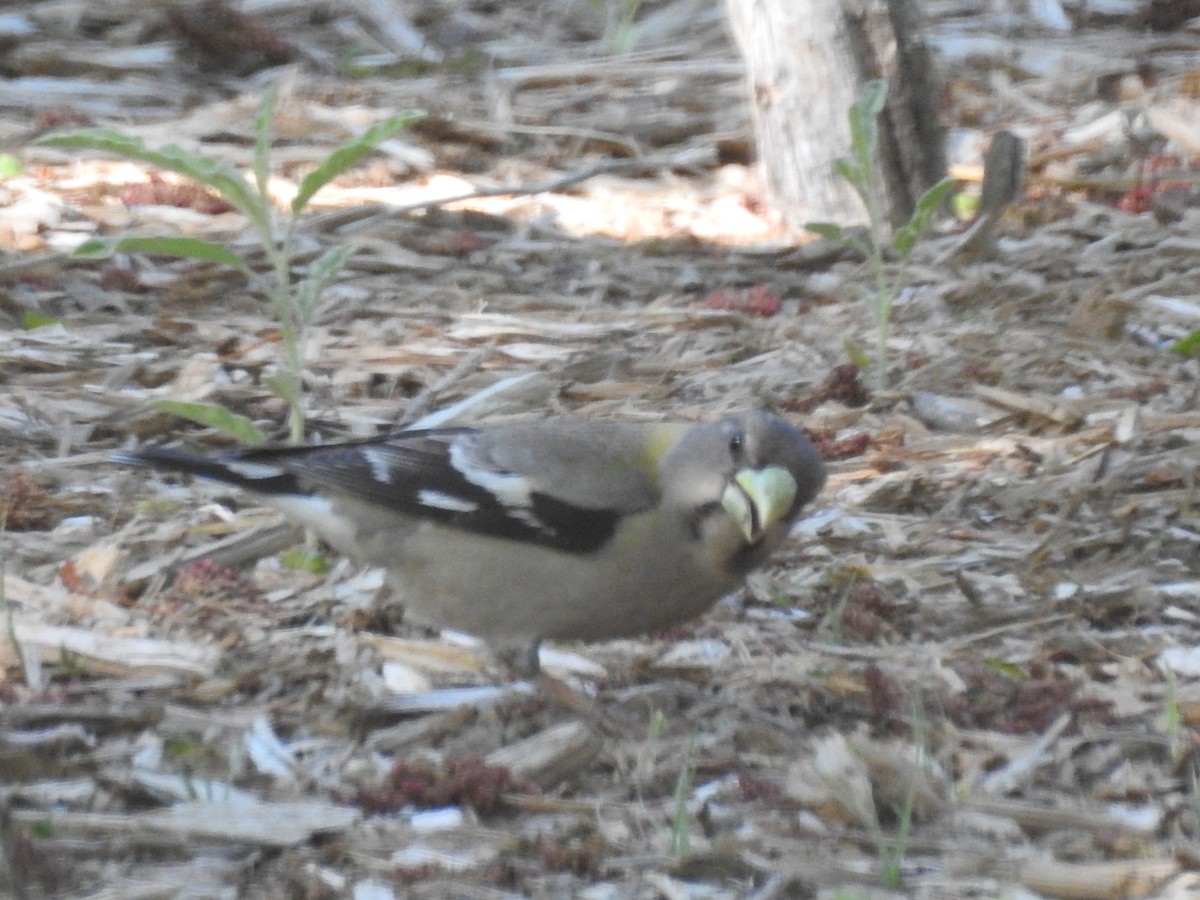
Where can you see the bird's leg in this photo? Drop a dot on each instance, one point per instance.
(522, 661)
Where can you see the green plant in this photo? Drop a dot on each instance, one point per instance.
(295, 303)
(1188, 346)
(657, 727)
(837, 613)
(10, 625)
(861, 172)
(31, 320)
(840, 582)
(681, 830)
(620, 34)
(1173, 719)
(1194, 793)
(893, 848)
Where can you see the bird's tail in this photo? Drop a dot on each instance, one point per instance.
(235, 467)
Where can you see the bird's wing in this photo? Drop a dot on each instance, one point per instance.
(568, 493)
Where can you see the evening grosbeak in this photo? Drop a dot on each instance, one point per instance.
(556, 528)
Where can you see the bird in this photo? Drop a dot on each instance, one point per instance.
(561, 528)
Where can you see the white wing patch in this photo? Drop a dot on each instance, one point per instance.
(441, 500)
(380, 463)
(252, 470)
(512, 490)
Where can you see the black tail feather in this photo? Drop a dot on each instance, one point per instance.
(229, 468)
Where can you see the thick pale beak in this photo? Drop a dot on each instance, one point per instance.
(758, 498)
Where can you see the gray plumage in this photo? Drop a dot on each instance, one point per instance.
(557, 528)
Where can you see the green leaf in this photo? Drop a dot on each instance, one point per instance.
(846, 237)
(183, 748)
(320, 273)
(680, 822)
(855, 177)
(857, 354)
(304, 561)
(350, 153)
(872, 98)
(326, 266)
(10, 166)
(1189, 345)
(156, 508)
(220, 176)
(30, 320)
(864, 122)
(966, 205)
(214, 416)
(846, 168)
(285, 386)
(1005, 668)
(165, 245)
(658, 725)
(826, 230)
(931, 201)
(262, 139)
(927, 206)
(304, 299)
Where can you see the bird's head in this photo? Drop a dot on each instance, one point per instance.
(754, 468)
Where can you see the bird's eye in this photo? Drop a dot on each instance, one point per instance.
(737, 441)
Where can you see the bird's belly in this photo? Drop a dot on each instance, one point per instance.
(502, 591)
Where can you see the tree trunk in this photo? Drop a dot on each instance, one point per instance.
(806, 61)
